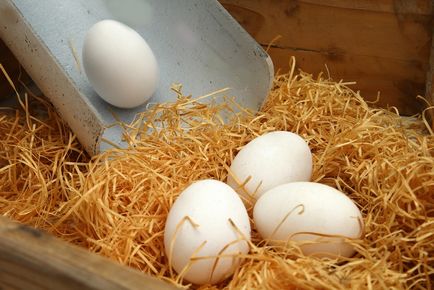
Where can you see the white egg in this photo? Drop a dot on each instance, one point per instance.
(119, 64)
(315, 216)
(271, 159)
(207, 220)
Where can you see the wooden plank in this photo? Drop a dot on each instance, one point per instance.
(396, 82)
(31, 259)
(383, 45)
(322, 27)
(430, 86)
(402, 7)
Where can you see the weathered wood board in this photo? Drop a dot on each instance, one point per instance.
(33, 260)
(383, 45)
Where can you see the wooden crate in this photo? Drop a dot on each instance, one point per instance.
(33, 260)
(384, 45)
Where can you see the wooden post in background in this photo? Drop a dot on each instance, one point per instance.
(382, 45)
(430, 85)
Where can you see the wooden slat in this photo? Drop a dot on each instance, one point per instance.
(31, 259)
(430, 86)
(402, 7)
(400, 86)
(323, 27)
(382, 45)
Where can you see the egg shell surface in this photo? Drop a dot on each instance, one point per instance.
(271, 159)
(119, 64)
(198, 224)
(295, 211)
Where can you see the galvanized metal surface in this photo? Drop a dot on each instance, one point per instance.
(197, 43)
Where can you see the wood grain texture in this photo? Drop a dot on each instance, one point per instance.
(31, 259)
(382, 45)
(430, 86)
(403, 7)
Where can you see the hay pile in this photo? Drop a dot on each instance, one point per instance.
(115, 204)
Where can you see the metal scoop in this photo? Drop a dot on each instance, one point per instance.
(196, 43)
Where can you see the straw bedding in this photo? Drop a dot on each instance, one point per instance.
(115, 204)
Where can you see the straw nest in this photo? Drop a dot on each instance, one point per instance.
(116, 203)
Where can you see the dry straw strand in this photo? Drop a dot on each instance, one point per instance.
(116, 203)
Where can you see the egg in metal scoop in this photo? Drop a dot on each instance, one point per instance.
(119, 64)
